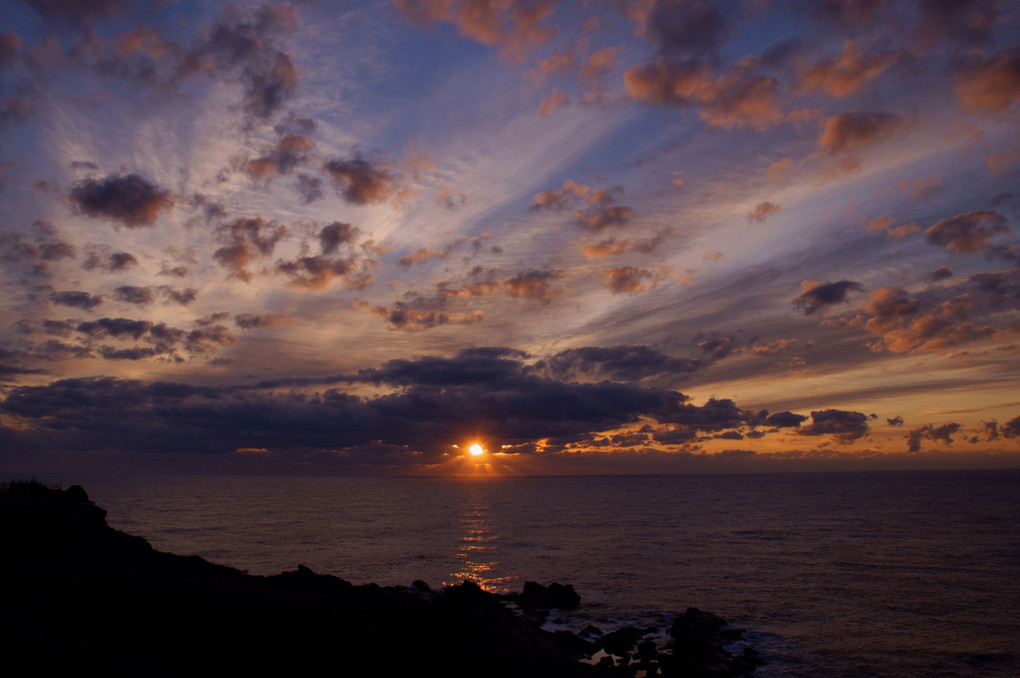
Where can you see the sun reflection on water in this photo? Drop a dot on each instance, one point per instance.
(478, 549)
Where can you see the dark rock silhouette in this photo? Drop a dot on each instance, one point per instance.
(78, 596)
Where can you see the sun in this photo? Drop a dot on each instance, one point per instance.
(476, 450)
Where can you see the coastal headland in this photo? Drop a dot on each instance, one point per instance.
(80, 595)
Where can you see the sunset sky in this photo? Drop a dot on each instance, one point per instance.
(591, 236)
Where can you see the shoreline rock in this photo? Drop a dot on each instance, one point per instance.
(78, 594)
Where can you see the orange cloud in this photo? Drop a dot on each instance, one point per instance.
(845, 74)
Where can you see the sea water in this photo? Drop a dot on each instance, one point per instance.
(896, 574)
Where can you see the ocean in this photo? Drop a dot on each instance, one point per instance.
(855, 575)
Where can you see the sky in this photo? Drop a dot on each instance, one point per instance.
(591, 236)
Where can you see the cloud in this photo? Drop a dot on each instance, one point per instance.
(515, 26)
(246, 238)
(130, 200)
(416, 315)
(534, 284)
(111, 263)
(686, 29)
(566, 196)
(817, 296)
(600, 217)
(556, 100)
(968, 22)
(930, 322)
(182, 297)
(309, 187)
(335, 234)
(245, 49)
(360, 181)
(967, 232)
(77, 12)
(785, 419)
(923, 189)
(252, 321)
(845, 74)
(618, 363)
(763, 211)
(895, 421)
(930, 432)
(738, 98)
(134, 295)
(611, 246)
(289, 152)
(319, 271)
(940, 273)
(844, 426)
(885, 225)
(854, 130)
(1011, 429)
(991, 85)
(82, 300)
(629, 279)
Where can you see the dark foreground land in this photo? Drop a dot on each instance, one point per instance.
(77, 595)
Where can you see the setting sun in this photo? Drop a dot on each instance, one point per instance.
(476, 450)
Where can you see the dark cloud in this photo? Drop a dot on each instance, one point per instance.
(129, 200)
(847, 14)
(436, 402)
(336, 234)
(844, 426)
(78, 12)
(360, 181)
(82, 300)
(817, 296)
(618, 363)
(319, 271)
(134, 295)
(687, 29)
(115, 327)
(9, 44)
(245, 50)
(895, 421)
(940, 273)
(930, 432)
(967, 232)
(59, 328)
(964, 21)
(855, 130)
(309, 188)
(535, 284)
(182, 297)
(785, 420)
(716, 345)
(1011, 429)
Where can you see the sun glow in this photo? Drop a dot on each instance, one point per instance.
(476, 450)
